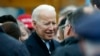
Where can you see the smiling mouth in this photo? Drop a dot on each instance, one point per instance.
(50, 33)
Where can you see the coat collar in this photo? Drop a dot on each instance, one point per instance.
(34, 39)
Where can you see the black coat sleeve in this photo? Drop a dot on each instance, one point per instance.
(22, 51)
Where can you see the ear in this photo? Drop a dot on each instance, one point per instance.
(69, 29)
(34, 24)
(71, 32)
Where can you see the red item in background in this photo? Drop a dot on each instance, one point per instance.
(27, 20)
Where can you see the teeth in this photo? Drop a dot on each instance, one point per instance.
(50, 33)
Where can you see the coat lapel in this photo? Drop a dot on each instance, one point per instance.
(34, 38)
(41, 43)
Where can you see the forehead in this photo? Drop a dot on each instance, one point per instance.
(47, 15)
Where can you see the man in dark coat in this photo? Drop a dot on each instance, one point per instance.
(40, 42)
(85, 23)
(69, 41)
(37, 47)
(10, 46)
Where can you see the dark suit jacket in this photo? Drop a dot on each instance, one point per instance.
(37, 47)
(69, 50)
(10, 46)
(70, 41)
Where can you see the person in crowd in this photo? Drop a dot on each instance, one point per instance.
(40, 42)
(25, 32)
(65, 11)
(10, 26)
(85, 25)
(6, 18)
(68, 34)
(10, 46)
(12, 29)
(64, 26)
(27, 21)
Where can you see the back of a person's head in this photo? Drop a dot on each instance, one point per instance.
(7, 18)
(96, 2)
(81, 12)
(11, 29)
(66, 12)
(86, 23)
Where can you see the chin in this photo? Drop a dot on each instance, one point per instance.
(49, 38)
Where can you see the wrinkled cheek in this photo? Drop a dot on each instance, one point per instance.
(39, 30)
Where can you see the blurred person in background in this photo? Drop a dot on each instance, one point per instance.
(64, 26)
(7, 18)
(85, 24)
(10, 46)
(27, 21)
(12, 29)
(65, 11)
(10, 26)
(40, 42)
(25, 32)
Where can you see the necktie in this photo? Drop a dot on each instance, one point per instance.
(48, 46)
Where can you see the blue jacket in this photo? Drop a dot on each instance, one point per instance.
(11, 47)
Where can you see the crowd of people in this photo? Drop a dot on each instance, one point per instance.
(77, 32)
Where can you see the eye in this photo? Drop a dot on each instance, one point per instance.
(46, 23)
(53, 23)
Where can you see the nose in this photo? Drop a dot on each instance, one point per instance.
(51, 27)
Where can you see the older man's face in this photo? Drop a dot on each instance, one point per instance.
(46, 26)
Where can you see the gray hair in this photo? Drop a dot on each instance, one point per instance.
(36, 11)
(67, 9)
(66, 12)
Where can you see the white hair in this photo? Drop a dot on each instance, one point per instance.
(36, 11)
